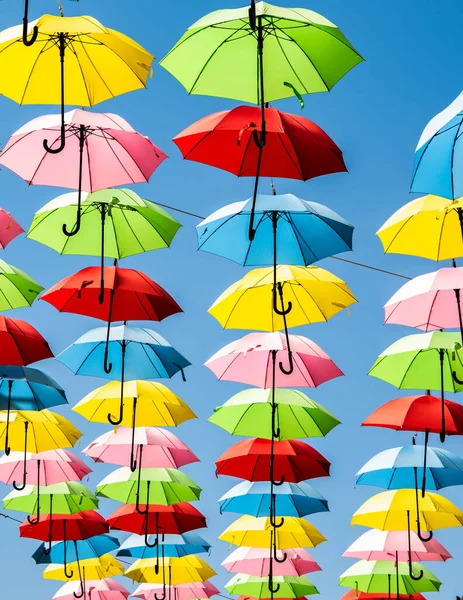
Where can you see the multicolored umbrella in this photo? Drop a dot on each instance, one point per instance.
(9, 228)
(17, 288)
(256, 561)
(173, 545)
(258, 587)
(21, 344)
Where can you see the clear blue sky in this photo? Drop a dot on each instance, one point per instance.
(376, 113)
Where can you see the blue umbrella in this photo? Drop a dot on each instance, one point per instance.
(173, 545)
(72, 551)
(398, 468)
(291, 499)
(305, 232)
(438, 167)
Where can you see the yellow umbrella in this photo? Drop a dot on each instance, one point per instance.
(172, 570)
(94, 568)
(258, 532)
(429, 227)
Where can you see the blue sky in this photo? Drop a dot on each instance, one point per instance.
(375, 114)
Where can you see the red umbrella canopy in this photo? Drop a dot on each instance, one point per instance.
(135, 295)
(294, 460)
(177, 518)
(418, 413)
(21, 344)
(353, 595)
(295, 147)
(79, 526)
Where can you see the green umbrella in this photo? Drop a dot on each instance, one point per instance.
(258, 587)
(17, 289)
(249, 413)
(384, 576)
(116, 223)
(148, 486)
(65, 498)
(431, 360)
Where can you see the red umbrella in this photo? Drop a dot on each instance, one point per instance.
(294, 148)
(21, 344)
(78, 526)
(354, 595)
(294, 461)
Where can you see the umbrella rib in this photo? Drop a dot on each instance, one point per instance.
(300, 237)
(81, 69)
(256, 227)
(135, 234)
(39, 54)
(105, 134)
(244, 155)
(95, 69)
(289, 62)
(298, 167)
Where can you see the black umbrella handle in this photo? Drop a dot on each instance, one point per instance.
(82, 591)
(441, 358)
(76, 227)
(103, 219)
(107, 365)
(139, 510)
(425, 463)
(62, 51)
(20, 487)
(7, 446)
(422, 537)
(35, 32)
(410, 562)
(133, 461)
(67, 574)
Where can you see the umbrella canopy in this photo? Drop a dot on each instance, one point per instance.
(376, 576)
(185, 591)
(72, 551)
(153, 486)
(177, 518)
(315, 294)
(395, 468)
(172, 545)
(384, 545)
(65, 498)
(256, 532)
(161, 448)
(249, 413)
(294, 460)
(21, 344)
(354, 595)
(95, 568)
(23, 388)
(186, 569)
(103, 589)
(249, 360)
(311, 60)
(258, 587)
(291, 499)
(295, 148)
(428, 227)
(388, 511)
(17, 288)
(78, 526)
(256, 561)
(9, 228)
(142, 352)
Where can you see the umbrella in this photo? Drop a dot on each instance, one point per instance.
(74, 550)
(356, 595)
(437, 156)
(161, 448)
(9, 228)
(147, 404)
(384, 576)
(185, 591)
(177, 518)
(300, 232)
(294, 461)
(95, 568)
(258, 587)
(257, 532)
(21, 344)
(124, 155)
(255, 561)
(186, 569)
(103, 589)
(292, 500)
(17, 289)
(173, 545)
(431, 227)
(250, 360)
(249, 413)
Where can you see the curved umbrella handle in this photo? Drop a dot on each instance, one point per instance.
(7, 446)
(60, 148)
(412, 576)
(76, 227)
(147, 543)
(283, 310)
(278, 483)
(273, 588)
(290, 369)
(279, 560)
(137, 497)
(455, 378)
(37, 519)
(35, 31)
(70, 574)
(275, 524)
(133, 461)
(47, 551)
(20, 487)
(81, 593)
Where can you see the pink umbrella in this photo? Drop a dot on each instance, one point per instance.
(250, 360)
(185, 591)
(104, 589)
(256, 561)
(9, 228)
(159, 447)
(102, 150)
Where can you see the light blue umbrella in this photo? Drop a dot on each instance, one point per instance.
(291, 499)
(72, 551)
(173, 545)
(394, 469)
(305, 232)
(438, 167)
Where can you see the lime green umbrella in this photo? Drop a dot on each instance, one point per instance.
(423, 361)
(65, 498)
(249, 413)
(17, 289)
(148, 486)
(258, 587)
(383, 576)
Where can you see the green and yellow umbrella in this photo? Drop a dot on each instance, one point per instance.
(17, 289)
(258, 587)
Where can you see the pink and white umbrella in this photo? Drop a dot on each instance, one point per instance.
(185, 591)
(161, 448)
(9, 228)
(102, 150)
(104, 589)
(250, 360)
(256, 561)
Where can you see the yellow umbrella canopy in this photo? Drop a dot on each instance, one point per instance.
(258, 531)
(315, 295)
(172, 570)
(395, 509)
(429, 227)
(94, 568)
